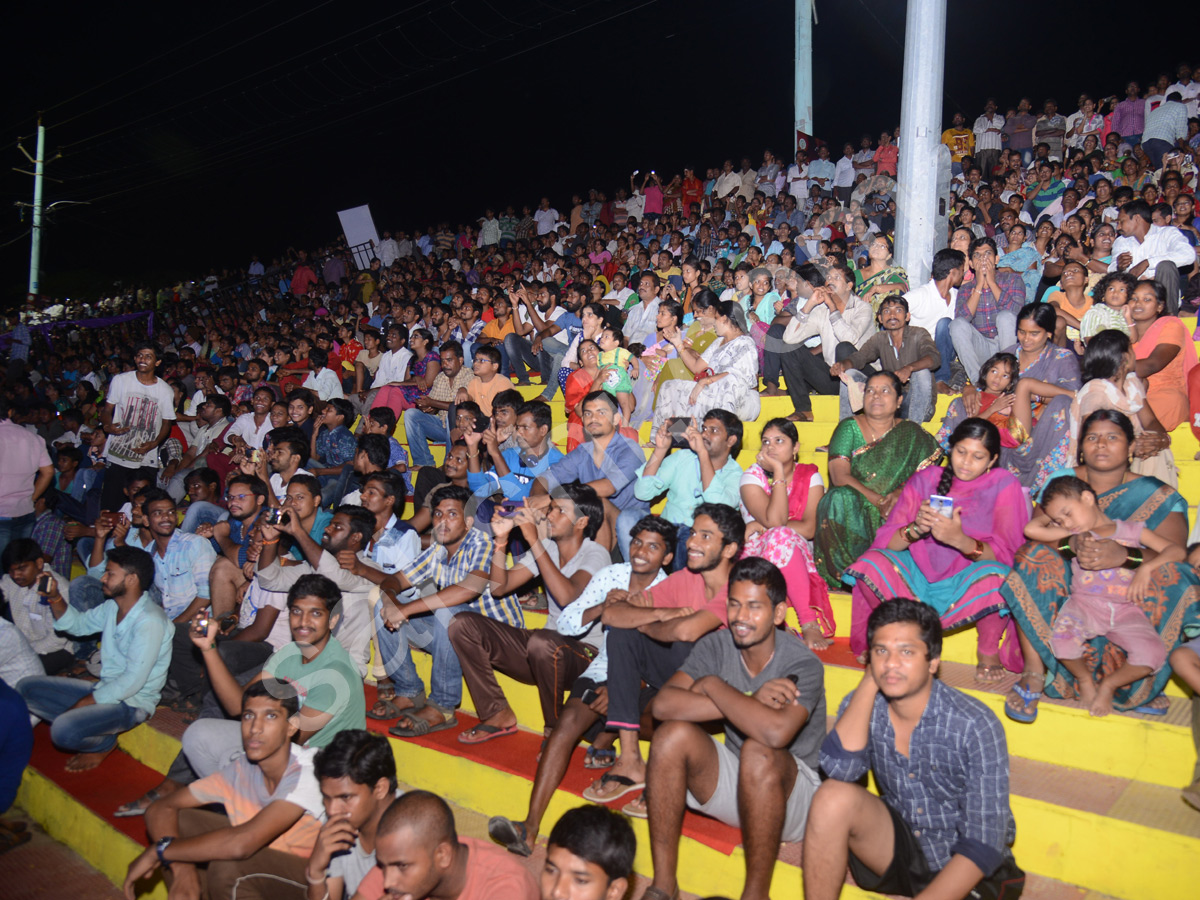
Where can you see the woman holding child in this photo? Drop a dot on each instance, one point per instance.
(1040, 583)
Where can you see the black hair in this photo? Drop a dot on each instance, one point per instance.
(784, 427)
(896, 299)
(318, 357)
(729, 522)
(455, 492)
(489, 352)
(425, 813)
(221, 402)
(902, 609)
(284, 692)
(608, 399)
(377, 447)
(660, 526)
(343, 408)
(384, 416)
(291, 437)
(357, 754)
(674, 308)
(1101, 287)
(510, 399)
(997, 359)
(362, 521)
(704, 299)
(1041, 314)
(539, 409)
(1160, 292)
(1105, 354)
(598, 835)
(310, 483)
(812, 274)
(1137, 207)
(945, 262)
(318, 586)
(1113, 417)
(257, 486)
(156, 495)
(897, 384)
(303, 394)
(451, 347)
(1065, 486)
(969, 429)
(587, 505)
(70, 453)
(392, 485)
(21, 550)
(470, 406)
(732, 424)
(134, 562)
(759, 571)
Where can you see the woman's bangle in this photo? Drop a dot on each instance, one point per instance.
(908, 533)
(1064, 549)
(976, 554)
(311, 880)
(474, 455)
(1133, 558)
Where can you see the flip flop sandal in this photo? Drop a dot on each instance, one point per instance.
(636, 808)
(419, 727)
(1156, 707)
(628, 786)
(1028, 699)
(653, 893)
(131, 809)
(391, 710)
(510, 834)
(481, 733)
(599, 759)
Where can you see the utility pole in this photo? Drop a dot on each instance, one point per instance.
(39, 167)
(923, 182)
(806, 14)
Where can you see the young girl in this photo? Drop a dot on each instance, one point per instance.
(616, 365)
(1111, 312)
(1103, 602)
(998, 379)
(1022, 259)
(1071, 302)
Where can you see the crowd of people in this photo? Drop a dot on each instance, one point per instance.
(253, 542)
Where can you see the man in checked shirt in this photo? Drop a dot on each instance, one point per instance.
(942, 825)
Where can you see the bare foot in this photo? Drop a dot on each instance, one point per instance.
(813, 637)
(1086, 692)
(1102, 702)
(989, 669)
(82, 762)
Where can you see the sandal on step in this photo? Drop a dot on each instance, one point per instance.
(419, 727)
(1027, 710)
(597, 758)
(627, 785)
(387, 708)
(482, 733)
(653, 893)
(135, 807)
(510, 834)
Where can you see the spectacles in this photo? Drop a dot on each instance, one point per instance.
(238, 496)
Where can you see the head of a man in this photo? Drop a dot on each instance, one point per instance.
(382, 495)
(451, 510)
(757, 602)
(288, 451)
(601, 415)
(357, 775)
(721, 435)
(351, 528)
(270, 709)
(589, 856)
(23, 561)
(904, 647)
(159, 509)
(313, 607)
(128, 573)
(416, 845)
(718, 534)
(533, 421)
(574, 507)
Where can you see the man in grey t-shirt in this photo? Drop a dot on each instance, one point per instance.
(769, 690)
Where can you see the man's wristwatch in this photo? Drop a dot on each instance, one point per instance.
(160, 848)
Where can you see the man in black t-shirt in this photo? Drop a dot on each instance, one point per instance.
(769, 689)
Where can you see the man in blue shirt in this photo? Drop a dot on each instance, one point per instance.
(86, 717)
(705, 472)
(942, 822)
(607, 462)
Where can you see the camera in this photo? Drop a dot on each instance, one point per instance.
(676, 427)
(276, 517)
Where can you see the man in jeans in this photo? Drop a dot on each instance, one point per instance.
(86, 716)
(427, 421)
(985, 318)
(534, 340)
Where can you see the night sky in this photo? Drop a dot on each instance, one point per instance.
(203, 133)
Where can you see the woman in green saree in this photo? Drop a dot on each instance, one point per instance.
(871, 456)
(880, 276)
(1040, 581)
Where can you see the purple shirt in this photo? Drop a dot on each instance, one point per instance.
(1012, 298)
(22, 453)
(1129, 117)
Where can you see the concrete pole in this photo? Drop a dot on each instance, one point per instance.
(35, 246)
(803, 94)
(917, 213)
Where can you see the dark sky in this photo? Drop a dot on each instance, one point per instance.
(211, 131)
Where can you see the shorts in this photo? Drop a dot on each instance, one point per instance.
(909, 872)
(723, 804)
(616, 381)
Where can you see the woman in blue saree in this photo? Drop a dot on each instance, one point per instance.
(1040, 581)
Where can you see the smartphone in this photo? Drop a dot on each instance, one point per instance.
(201, 626)
(589, 696)
(43, 587)
(676, 427)
(508, 508)
(793, 678)
(275, 516)
(943, 506)
(255, 456)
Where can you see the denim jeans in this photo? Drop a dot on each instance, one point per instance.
(421, 428)
(974, 349)
(519, 353)
(91, 729)
(427, 632)
(549, 362)
(14, 529)
(201, 512)
(945, 346)
(335, 487)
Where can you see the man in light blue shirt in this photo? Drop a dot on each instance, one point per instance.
(705, 473)
(182, 561)
(136, 636)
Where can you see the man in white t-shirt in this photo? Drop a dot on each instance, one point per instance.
(931, 306)
(137, 416)
(546, 217)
